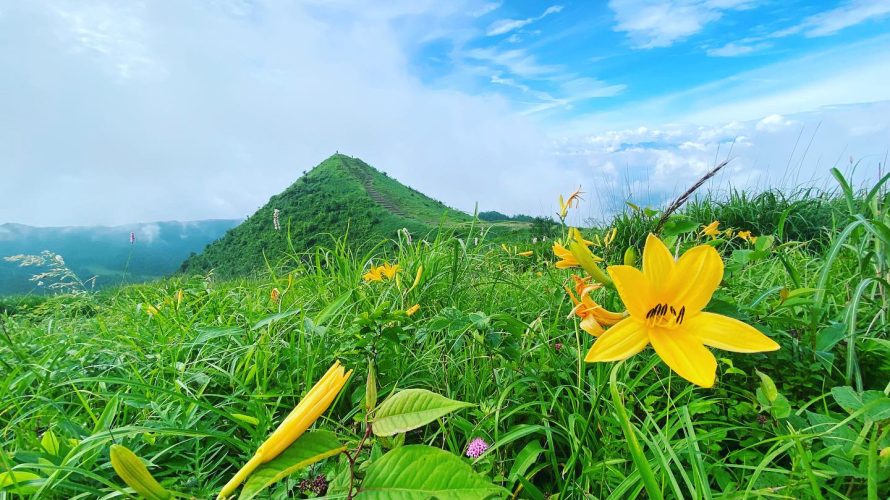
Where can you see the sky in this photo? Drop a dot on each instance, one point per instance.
(124, 111)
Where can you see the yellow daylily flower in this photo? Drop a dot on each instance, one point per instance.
(665, 302)
(389, 270)
(746, 235)
(711, 229)
(307, 411)
(179, 295)
(378, 273)
(593, 316)
(373, 275)
(571, 201)
(566, 259)
(274, 295)
(413, 309)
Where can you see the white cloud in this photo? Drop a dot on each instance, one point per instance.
(657, 163)
(844, 16)
(504, 26)
(244, 102)
(773, 123)
(734, 49)
(658, 23)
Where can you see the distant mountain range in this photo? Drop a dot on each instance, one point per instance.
(158, 250)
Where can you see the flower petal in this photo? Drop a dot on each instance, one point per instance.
(658, 262)
(619, 342)
(729, 334)
(696, 276)
(591, 326)
(685, 354)
(633, 288)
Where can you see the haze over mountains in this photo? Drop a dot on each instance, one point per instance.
(105, 252)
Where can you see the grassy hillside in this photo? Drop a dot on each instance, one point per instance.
(104, 252)
(342, 195)
(194, 373)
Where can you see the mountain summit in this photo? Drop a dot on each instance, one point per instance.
(340, 194)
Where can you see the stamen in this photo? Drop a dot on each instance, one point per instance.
(681, 315)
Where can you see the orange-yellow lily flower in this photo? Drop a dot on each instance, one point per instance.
(746, 235)
(571, 201)
(593, 316)
(389, 270)
(665, 302)
(316, 402)
(711, 229)
(378, 273)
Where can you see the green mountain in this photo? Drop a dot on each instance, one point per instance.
(104, 252)
(341, 195)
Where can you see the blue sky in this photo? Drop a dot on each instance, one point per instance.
(123, 111)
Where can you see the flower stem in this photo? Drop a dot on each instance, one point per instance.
(636, 451)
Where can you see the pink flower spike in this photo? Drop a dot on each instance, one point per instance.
(476, 448)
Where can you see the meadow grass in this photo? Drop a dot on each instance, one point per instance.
(194, 387)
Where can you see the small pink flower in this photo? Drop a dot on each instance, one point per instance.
(557, 346)
(476, 448)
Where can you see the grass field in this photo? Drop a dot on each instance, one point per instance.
(193, 373)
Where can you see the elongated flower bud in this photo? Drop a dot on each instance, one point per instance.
(371, 388)
(630, 257)
(586, 258)
(307, 411)
(133, 472)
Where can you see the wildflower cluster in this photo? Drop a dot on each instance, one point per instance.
(664, 300)
(379, 273)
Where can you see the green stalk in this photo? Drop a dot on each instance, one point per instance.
(636, 451)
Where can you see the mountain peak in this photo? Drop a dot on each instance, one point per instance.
(341, 193)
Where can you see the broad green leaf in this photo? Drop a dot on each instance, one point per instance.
(333, 308)
(525, 459)
(421, 472)
(268, 320)
(410, 409)
(20, 482)
(847, 398)
(768, 386)
(50, 443)
(305, 451)
(679, 225)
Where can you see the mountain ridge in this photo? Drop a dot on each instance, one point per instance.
(340, 195)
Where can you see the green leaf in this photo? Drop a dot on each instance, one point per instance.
(410, 409)
(768, 386)
(525, 459)
(422, 472)
(50, 443)
(305, 451)
(679, 224)
(847, 398)
(19, 482)
(268, 320)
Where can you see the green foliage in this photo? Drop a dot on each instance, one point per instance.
(410, 409)
(310, 448)
(194, 381)
(421, 472)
